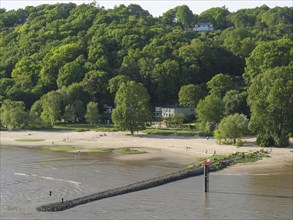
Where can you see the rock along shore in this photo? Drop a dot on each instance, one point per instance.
(142, 185)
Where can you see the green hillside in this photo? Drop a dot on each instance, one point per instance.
(55, 59)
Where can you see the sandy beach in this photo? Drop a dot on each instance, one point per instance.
(172, 148)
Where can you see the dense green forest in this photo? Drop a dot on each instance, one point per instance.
(56, 59)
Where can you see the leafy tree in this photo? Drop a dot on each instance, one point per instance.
(220, 84)
(166, 78)
(132, 110)
(71, 72)
(169, 17)
(77, 91)
(209, 111)
(54, 60)
(217, 16)
(199, 61)
(268, 55)
(136, 11)
(51, 107)
(243, 18)
(184, 15)
(5, 86)
(116, 81)
(95, 83)
(232, 127)
(235, 102)
(277, 15)
(92, 113)
(78, 110)
(270, 97)
(26, 73)
(13, 114)
(239, 41)
(35, 120)
(69, 114)
(190, 95)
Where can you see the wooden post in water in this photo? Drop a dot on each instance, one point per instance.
(206, 165)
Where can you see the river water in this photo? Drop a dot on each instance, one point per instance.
(27, 176)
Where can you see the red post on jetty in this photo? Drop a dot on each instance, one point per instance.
(206, 164)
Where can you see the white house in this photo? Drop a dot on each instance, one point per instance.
(204, 27)
(167, 112)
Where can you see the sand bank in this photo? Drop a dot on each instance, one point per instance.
(174, 148)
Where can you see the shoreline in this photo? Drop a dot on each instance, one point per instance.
(179, 149)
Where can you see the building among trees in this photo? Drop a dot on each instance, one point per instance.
(169, 111)
(204, 27)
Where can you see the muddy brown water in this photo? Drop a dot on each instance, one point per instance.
(27, 176)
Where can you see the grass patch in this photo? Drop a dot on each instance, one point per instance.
(65, 148)
(240, 157)
(124, 150)
(179, 132)
(100, 150)
(127, 150)
(30, 139)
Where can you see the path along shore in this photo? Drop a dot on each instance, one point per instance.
(179, 149)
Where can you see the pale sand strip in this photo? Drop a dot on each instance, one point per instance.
(173, 148)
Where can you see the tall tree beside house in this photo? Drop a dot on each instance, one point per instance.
(184, 15)
(220, 84)
(190, 95)
(92, 113)
(132, 107)
(209, 112)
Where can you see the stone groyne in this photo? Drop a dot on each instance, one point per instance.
(146, 184)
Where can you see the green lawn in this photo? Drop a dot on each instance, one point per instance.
(29, 139)
(85, 127)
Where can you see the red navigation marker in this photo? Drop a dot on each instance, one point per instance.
(206, 163)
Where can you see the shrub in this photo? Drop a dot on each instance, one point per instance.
(264, 140)
(239, 142)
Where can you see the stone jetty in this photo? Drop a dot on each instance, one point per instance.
(142, 185)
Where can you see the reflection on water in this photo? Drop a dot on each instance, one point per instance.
(27, 176)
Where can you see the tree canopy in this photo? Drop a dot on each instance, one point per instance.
(132, 107)
(57, 58)
(270, 98)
